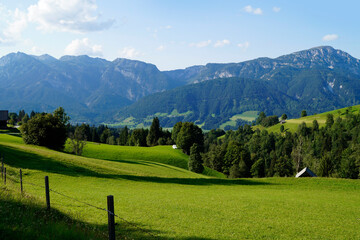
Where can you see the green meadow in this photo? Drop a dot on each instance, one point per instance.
(292, 124)
(160, 199)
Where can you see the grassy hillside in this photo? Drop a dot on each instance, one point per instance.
(142, 155)
(173, 203)
(292, 124)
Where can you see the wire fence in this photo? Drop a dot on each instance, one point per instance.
(5, 175)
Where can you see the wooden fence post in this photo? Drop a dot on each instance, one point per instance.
(21, 185)
(2, 166)
(47, 192)
(111, 217)
(5, 176)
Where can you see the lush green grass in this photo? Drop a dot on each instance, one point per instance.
(141, 155)
(292, 124)
(24, 217)
(173, 203)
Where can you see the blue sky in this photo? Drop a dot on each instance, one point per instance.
(176, 34)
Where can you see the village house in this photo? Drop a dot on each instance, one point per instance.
(3, 118)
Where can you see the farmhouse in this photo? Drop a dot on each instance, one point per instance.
(306, 172)
(3, 118)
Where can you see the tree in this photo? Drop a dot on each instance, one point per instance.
(25, 118)
(260, 118)
(32, 114)
(298, 153)
(195, 161)
(315, 126)
(105, 135)
(46, 130)
(188, 135)
(283, 167)
(303, 113)
(21, 114)
(270, 121)
(282, 128)
(329, 120)
(78, 140)
(154, 133)
(283, 117)
(176, 130)
(123, 136)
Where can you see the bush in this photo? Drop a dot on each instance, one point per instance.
(47, 130)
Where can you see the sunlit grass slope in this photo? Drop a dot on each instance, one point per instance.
(292, 124)
(173, 203)
(158, 154)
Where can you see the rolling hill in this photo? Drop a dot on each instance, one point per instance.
(166, 202)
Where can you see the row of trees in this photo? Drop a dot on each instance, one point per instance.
(330, 151)
(123, 136)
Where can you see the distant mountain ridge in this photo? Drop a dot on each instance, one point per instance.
(86, 87)
(95, 90)
(318, 79)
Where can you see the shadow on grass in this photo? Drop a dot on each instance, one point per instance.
(24, 218)
(193, 181)
(22, 159)
(144, 163)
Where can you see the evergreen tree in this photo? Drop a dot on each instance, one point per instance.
(195, 161)
(123, 137)
(329, 120)
(154, 133)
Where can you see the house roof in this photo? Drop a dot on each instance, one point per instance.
(4, 115)
(306, 172)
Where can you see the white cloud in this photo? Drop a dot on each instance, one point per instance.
(200, 44)
(16, 22)
(244, 46)
(330, 37)
(222, 43)
(70, 16)
(250, 9)
(276, 9)
(36, 50)
(83, 47)
(168, 27)
(129, 52)
(161, 48)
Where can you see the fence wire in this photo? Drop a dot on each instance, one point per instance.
(85, 203)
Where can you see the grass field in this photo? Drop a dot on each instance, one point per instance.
(292, 124)
(173, 203)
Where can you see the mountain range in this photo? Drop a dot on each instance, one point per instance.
(128, 92)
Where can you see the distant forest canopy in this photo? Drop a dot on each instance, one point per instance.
(330, 151)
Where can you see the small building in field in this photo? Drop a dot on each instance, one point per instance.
(174, 146)
(306, 172)
(3, 118)
(282, 121)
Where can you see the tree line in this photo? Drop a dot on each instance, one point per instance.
(330, 151)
